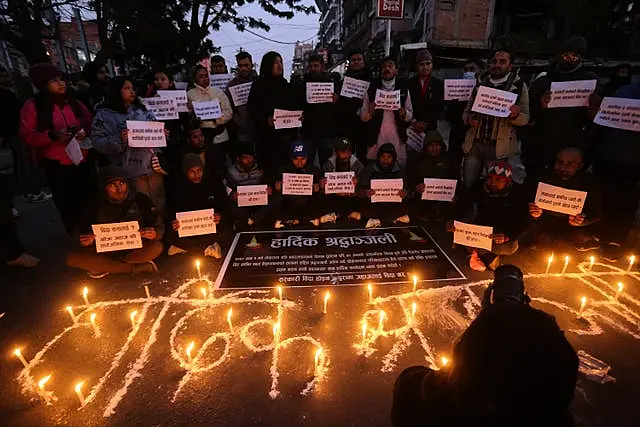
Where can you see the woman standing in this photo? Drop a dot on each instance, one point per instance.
(55, 125)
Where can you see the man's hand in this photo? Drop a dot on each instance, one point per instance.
(535, 211)
(336, 98)
(278, 186)
(167, 132)
(500, 238)
(269, 191)
(372, 108)
(545, 99)
(175, 225)
(216, 218)
(576, 220)
(402, 113)
(418, 127)
(473, 120)
(233, 196)
(149, 233)
(515, 111)
(402, 193)
(124, 136)
(370, 193)
(64, 136)
(450, 226)
(316, 188)
(420, 188)
(270, 122)
(323, 183)
(87, 240)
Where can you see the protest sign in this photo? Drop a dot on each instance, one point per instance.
(207, 110)
(494, 102)
(319, 93)
(387, 100)
(181, 85)
(220, 81)
(619, 113)
(117, 236)
(297, 184)
(390, 9)
(286, 119)
(386, 190)
(252, 195)
(354, 88)
(146, 134)
(442, 190)
(415, 140)
(196, 223)
(571, 94)
(162, 108)
(179, 96)
(240, 93)
(74, 152)
(474, 236)
(458, 89)
(339, 183)
(558, 199)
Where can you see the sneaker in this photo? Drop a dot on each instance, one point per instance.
(24, 260)
(330, 217)
(315, 222)
(147, 267)
(15, 213)
(611, 251)
(587, 245)
(404, 219)
(96, 276)
(356, 216)
(476, 263)
(40, 197)
(174, 250)
(373, 223)
(214, 251)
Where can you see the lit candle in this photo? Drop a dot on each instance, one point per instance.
(78, 389)
(445, 361)
(96, 330)
(276, 331)
(583, 304)
(620, 289)
(43, 392)
(566, 264)
(189, 350)
(632, 260)
(364, 333)
(85, 293)
(280, 292)
(381, 320)
(327, 295)
(592, 260)
(549, 261)
(415, 284)
(203, 291)
(198, 269)
(146, 291)
(73, 316)
(316, 362)
(18, 353)
(132, 316)
(414, 308)
(229, 313)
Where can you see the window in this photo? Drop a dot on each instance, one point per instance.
(447, 5)
(81, 55)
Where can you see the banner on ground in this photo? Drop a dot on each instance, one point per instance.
(354, 88)
(162, 108)
(386, 190)
(146, 134)
(494, 102)
(240, 93)
(252, 195)
(207, 110)
(619, 113)
(390, 9)
(297, 184)
(319, 93)
(387, 100)
(220, 81)
(574, 93)
(474, 236)
(196, 223)
(287, 119)
(558, 199)
(458, 89)
(415, 140)
(179, 96)
(442, 190)
(117, 236)
(339, 183)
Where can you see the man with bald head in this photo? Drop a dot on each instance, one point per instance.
(548, 226)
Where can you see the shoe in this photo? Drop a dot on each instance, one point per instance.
(174, 250)
(330, 217)
(24, 260)
(278, 224)
(15, 213)
(476, 263)
(147, 267)
(40, 197)
(356, 216)
(587, 245)
(97, 275)
(315, 222)
(373, 223)
(611, 251)
(404, 219)
(214, 251)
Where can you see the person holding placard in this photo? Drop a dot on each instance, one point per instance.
(117, 203)
(218, 65)
(351, 126)
(492, 137)
(163, 81)
(549, 226)
(500, 204)
(241, 125)
(195, 189)
(427, 94)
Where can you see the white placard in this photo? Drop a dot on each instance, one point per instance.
(619, 113)
(117, 236)
(558, 199)
(339, 183)
(387, 100)
(207, 110)
(297, 184)
(474, 236)
(319, 93)
(146, 134)
(494, 102)
(74, 152)
(458, 89)
(181, 85)
(574, 93)
(415, 140)
(287, 119)
(196, 223)
(179, 96)
(220, 81)
(442, 190)
(386, 190)
(162, 108)
(354, 88)
(252, 195)
(240, 93)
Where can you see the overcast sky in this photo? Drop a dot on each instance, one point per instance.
(301, 27)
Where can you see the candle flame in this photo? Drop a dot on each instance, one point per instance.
(69, 309)
(327, 295)
(78, 387)
(444, 360)
(280, 292)
(204, 292)
(632, 259)
(316, 358)
(17, 352)
(370, 289)
(414, 308)
(550, 259)
(276, 329)
(583, 300)
(43, 382)
(190, 348)
(566, 259)
(229, 313)
(133, 315)
(85, 291)
(197, 263)
(364, 329)
(93, 318)
(620, 287)
(592, 259)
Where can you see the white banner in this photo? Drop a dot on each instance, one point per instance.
(339, 183)
(571, 94)
(319, 93)
(146, 134)
(415, 140)
(386, 190)
(619, 113)
(494, 102)
(458, 89)
(220, 81)
(558, 199)
(240, 93)
(162, 108)
(387, 100)
(179, 96)
(442, 190)
(117, 236)
(297, 184)
(354, 88)
(286, 119)
(252, 195)
(196, 223)
(207, 110)
(474, 236)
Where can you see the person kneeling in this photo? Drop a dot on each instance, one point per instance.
(118, 202)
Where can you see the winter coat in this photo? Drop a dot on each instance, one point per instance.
(242, 122)
(237, 176)
(184, 196)
(267, 94)
(137, 207)
(349, 110)
(354, 165)
(200, 94)
(441, 167)
(320, 120)
(427, 109)
(373, 171)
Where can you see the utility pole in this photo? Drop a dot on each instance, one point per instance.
(387, 40)
(83, 37)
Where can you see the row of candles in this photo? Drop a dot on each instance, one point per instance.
(592, 261)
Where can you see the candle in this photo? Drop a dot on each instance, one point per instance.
(96, 330)
(203, 291)
(583, 304)
(78, 389)
(43, 392)
(276, 331)
(381, 320)
(370, 289)
(189, 350)
(364, 333)
(316, 362)
(632, 260)
(566, 264)
(549, 261)
(85, 292)
(132, 316)
(592, 260)
(620, 289)
(415, 284)
(445, 361)
(414, 308)
(198, 269)
(327, 295)
(146, 291)
(73, 316)
(18, 353)
(229, 313)
(280, 292)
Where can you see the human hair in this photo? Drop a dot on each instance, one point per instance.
(389, 59)
(356, 51)
(44, 108)
(243, 55)
(267, 63)
(217, 59)
(114, 98)
(314, 57)
(193, 125)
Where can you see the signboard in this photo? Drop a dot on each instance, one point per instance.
(571, 94)
(415, 140)
(619, 113)
(117, 236)
(474, 236)
(458, 89)
(285, 119)
(146, 134)
(442, 190)
(390, 9)
(387, 100)
(180, 97)
(319, 93)
(494, 102)
(297, 184)
(252, 195)
(354, 88)
(339, 257)
(240, 93)
(207, 110)
(196, 223)
(162, 108)
(220, 81)
(339, 183)
(386, 190)
(558, 199)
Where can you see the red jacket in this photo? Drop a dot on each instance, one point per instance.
(39, 140)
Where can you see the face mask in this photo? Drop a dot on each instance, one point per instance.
(469, 75)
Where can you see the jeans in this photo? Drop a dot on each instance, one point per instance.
(476, 161)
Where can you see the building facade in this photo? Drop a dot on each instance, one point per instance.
(301, 53)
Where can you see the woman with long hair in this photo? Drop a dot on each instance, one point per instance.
(55, 125)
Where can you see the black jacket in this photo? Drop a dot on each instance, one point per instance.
(268, 94)
(427, 109)
(320, 120)
(376, 122)
(183, 195)
(349, 110)
(137, 207)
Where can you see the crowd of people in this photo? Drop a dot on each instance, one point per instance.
(497, 161)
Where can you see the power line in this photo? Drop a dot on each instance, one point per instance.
(277, 41)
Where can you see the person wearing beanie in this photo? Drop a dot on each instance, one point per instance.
(499, 203)
(53, 124)
(117, 202)
(427, 94)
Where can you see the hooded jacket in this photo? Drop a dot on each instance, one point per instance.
(236, 176)
(354, 165)
(441, 167)
(184, 195)
(375, 171)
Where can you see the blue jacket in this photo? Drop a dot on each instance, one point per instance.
(618, 145)
(105, 135)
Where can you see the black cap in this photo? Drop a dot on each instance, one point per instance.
(342, 144)
(110, 173)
